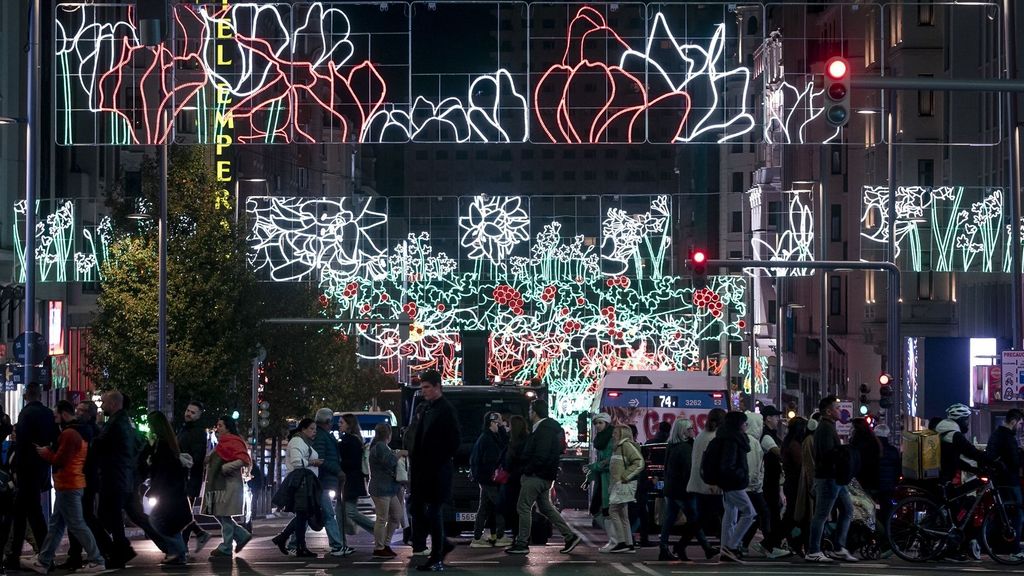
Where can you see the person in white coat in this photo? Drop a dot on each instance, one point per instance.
(301, 455)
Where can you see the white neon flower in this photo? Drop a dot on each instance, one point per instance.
(494, 226)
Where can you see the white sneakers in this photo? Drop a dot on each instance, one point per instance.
(818, 557)
(844, 555)
(481, 543)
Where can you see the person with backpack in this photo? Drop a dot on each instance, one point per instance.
(833, 470)
(485, 459)
(709, 498)
(626, 464)
(678, 460)
(725, 465)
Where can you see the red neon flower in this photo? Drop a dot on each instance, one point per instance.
(568, 113)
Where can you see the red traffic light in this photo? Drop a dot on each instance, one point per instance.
(699, 257)
(885, 379)
(837, 68)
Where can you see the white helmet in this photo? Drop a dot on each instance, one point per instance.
(958, 411)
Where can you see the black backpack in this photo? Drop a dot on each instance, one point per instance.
(711, 463)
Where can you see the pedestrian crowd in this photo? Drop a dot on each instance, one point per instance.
(738, 476)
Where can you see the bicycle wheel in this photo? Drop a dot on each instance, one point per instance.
(917, 529)
(1000, 535)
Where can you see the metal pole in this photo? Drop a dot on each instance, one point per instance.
(780, 308)
(894, 356)
(31, 159)
(823, 277)
(1013, 198)
(161, 376)
(939, 84)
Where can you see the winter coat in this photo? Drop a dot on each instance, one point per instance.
(626, 463)
(300, 493)
(192, 441)
(543, 451)
(773, 470)
(486, 456)
(350, 449)
(68, 460)
(1003, 446)
(697, 485)
(954, 447)
(734, 469)
(326, 447)
(599, 469)
(383, 468)
(117, 450)
(826, 449)
(167, 482)
(434, 440)
(755, 457)
(678, 461)
(301, 455)
(805, 495)
(869, 451)
(35, 426)
(224, 492)
(89, 431)
(792, 466)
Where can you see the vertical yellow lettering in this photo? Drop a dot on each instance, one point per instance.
(223, 171)
(223, 141)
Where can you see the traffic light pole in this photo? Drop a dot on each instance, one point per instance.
(893, 344)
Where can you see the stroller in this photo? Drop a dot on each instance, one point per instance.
(862, 537)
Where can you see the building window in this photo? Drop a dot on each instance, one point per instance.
(835, 225)
(527, 154)
(737, 181)
(480, 155)
(926, 13)
(735, 255)
(925, 100)
(737, 222)
(303, 178)
(611, 175)
(548, 175)
(547, 154)
(421, 154)
(461, 155)
(836, 157)
(835, 296)
(925, 172)
(441, 155)
(895, 23)
(774, 209)
(589, 175)
(526, 176)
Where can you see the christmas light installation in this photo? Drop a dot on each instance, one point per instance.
(795, 242)
(965, 229)
(303, 72)
(66, 250)
(561, 311)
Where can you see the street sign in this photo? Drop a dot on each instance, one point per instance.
(1012, 375)
(29, 348)
(845, 424)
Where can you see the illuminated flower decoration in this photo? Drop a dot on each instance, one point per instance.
(493, 227)
(624, 233)
(567, 112)
(795, 243)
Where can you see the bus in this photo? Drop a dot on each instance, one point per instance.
(646, 398)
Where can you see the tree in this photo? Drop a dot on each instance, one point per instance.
(211, 323)
(310, 366)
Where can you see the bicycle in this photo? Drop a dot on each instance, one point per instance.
(921, 528)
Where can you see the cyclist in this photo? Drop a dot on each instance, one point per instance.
(955, 452)
(1003, 446)
(955, 445)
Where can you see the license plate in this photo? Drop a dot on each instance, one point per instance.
(465, 516)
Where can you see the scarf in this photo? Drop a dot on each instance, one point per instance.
(231, 447)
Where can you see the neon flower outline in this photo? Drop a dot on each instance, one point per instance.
(493, 226)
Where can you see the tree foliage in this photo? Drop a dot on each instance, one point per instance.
(211, 325)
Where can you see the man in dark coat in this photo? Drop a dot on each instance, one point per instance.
(731, 445)
(435, 437)
(1004, 448)
(35, 426)
(542, 455)
(192, 441)
(827, 490)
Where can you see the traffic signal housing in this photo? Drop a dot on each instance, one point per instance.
(698, 262)
(837, 91)
(864, 399)
(885, 391)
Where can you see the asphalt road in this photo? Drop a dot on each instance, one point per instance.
(261, 557)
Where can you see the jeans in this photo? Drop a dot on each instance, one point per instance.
(89, 496)
(231, 533)
(389, 518)
(349, 510)
(764, 521)
(537, 490)
(335, 537)
(28, 512)
(490, 500)
(193, 526)
(619, 529)
(427, 519)
(738, 518)
(826, 495)
(67, 514)
(688, 505)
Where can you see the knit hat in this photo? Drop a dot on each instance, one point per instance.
(603, 417)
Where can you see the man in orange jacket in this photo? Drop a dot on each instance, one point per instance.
(69, 482)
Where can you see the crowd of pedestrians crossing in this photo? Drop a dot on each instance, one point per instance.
(744, 473)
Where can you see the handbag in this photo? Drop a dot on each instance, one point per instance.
(402, 471)
(500, 475)
(622, 492)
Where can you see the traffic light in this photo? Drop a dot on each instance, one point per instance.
(837, 91)
(699, 266)
(263, 411)
(864, 398)
(884, 391)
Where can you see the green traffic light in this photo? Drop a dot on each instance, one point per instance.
(863, 410)
(837, 115)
